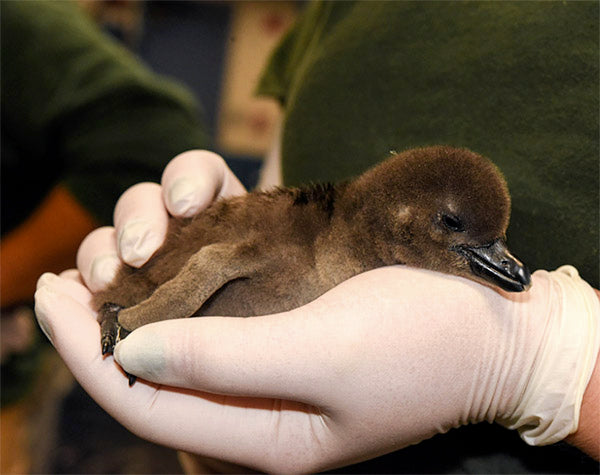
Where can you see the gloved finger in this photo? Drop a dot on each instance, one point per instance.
(141, 222)
(61, 307)
(194, 179)
(72, 274)
(196, 353)
(264, 434)
(236, 429)
(68, 285)
(97, 258)
(72, 328)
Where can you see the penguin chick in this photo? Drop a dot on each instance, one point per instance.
(438, 208)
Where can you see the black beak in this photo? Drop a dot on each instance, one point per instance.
(494, 263)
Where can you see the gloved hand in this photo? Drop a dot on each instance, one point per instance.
(190, 182)
(386, 359)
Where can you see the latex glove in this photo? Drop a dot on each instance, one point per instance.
(190, 182)
(386, 359)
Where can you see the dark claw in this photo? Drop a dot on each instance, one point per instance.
(107, 346)
(110, 330)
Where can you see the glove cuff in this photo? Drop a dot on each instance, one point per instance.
(548, 410)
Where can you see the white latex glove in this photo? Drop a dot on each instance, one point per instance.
(190, 182)
(386, 359)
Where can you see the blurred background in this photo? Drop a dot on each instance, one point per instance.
(217, 50)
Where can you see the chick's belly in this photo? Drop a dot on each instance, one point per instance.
(248, 297)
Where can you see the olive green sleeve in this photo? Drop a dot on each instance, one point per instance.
(74, 98)
(285, 65)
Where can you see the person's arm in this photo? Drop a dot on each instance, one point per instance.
(587, 436)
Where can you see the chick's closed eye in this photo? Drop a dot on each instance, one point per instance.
(452, 223)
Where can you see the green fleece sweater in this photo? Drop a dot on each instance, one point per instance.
(80, 110)
(515, 81)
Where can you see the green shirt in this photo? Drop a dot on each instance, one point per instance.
(78, 109)
(514, 81)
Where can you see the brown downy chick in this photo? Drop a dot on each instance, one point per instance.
(438, 208)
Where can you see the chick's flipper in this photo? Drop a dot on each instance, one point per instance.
(205, 272)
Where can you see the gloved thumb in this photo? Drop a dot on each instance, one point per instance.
(226, 355)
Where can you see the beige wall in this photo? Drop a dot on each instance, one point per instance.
(246, 123)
